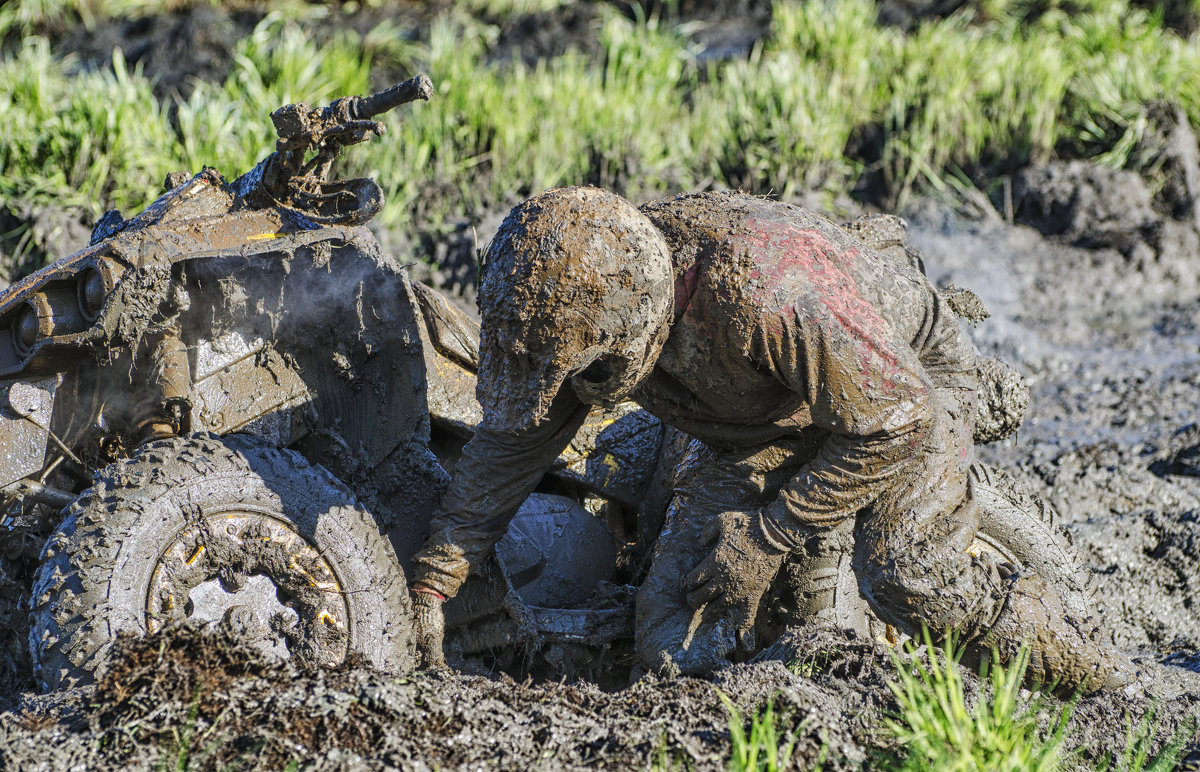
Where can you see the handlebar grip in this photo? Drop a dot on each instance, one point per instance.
(410, 90)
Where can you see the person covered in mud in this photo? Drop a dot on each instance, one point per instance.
(823, 382)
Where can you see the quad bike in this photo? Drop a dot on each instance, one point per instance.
(235, 409)
(220, 411)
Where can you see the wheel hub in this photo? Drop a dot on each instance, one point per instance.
(257, 577)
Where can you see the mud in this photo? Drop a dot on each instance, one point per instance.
(1099, 310)
(199, 697)
(39, 234)
(1153, 221)
(1107, 338)
(1112, 356)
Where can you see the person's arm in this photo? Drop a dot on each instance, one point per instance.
(866, 388)
(496, 473)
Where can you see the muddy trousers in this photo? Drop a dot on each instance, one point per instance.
(906, 556)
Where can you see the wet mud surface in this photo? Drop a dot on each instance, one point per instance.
(1108, 338)
(200, 698)
(1111, 350)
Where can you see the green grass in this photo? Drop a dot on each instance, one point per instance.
(760, 747)
(937, 729)
(1139, 755)
(505, 8)
(952, 104)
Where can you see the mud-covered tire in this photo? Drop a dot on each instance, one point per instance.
(1023, 528)
(93, 581)
(1016, 525)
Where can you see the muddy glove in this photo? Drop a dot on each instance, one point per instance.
(736, 574)
(429, 627)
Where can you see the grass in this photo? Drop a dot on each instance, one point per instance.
(937, 729)
(827, 101)
(759, 747)
(667, 759)
(1139, 755)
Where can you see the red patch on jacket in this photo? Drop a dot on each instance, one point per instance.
(781, 251)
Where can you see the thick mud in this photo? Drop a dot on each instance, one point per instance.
(198, 700)
(1110, 346)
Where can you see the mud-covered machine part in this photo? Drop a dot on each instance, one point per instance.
(228, 531)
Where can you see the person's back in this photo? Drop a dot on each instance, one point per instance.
(756, 261)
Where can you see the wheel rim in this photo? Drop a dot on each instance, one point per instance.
(256, 576)
(985, 543)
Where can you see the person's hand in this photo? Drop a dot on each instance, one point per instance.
(733, 578)
(429, 627)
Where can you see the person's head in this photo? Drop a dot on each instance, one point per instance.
(576, 289)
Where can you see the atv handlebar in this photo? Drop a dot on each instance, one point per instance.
(297, 175)
(364, 108)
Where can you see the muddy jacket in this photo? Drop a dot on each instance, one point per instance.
(784, 326)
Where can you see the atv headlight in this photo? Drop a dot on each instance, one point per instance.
(26, 331)
(91, 293)
(46, 313)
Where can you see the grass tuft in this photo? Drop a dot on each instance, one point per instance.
(1139, 755)
(939, 730)
(761, 747)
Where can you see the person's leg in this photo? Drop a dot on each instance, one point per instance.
(671, 636)
(913, 568)
(815, 586)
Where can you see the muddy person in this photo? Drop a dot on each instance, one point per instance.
(824, 383)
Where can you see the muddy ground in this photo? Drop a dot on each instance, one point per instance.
(1094, 290)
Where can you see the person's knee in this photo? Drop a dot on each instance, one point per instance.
(944, 592)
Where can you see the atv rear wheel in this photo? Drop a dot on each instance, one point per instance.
(221, 530)
(1021, 528)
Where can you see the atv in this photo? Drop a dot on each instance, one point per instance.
(235, 409)
(220, 409)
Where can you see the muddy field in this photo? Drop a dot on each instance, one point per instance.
(1094, 291)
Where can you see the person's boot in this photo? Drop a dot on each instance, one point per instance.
(1066, 653)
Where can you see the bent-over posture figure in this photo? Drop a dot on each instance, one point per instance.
(824, 382)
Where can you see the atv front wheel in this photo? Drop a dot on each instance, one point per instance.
(222, 530)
